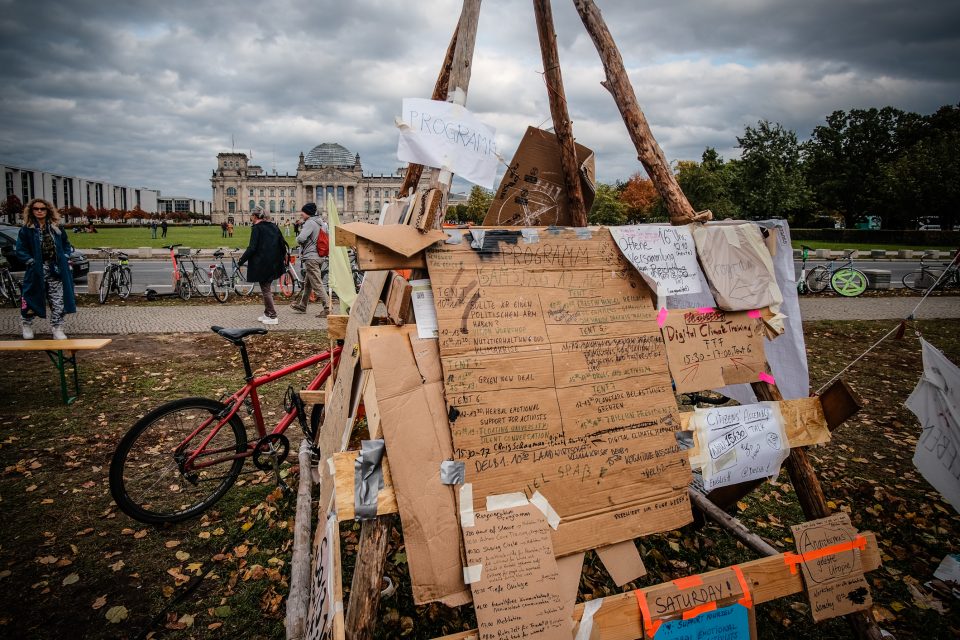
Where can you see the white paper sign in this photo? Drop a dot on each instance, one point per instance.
(738, 444)
(936, 401)
(423, 309)
(665, 254)
(447, 136)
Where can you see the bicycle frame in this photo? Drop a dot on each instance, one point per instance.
(235, 401)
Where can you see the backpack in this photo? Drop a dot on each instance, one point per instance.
(323, 242)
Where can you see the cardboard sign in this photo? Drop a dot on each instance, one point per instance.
(936, 402)
(622, 561)
(709, 348)
(739, 444)
(555, 373)
(666, 254)
(726, 623)
(738, 266)
(830, 561)
(533, 192)
(447, 136)
(514, 576)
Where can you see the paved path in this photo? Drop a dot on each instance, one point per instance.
(199, 318)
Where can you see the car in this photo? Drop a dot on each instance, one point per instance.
(79, 264)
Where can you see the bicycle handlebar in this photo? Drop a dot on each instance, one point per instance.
(172, 246)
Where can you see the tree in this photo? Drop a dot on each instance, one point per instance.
(708, 184)
(607, 208)
(769, 180)
(477, 205)
(12, 209)
(640, 197)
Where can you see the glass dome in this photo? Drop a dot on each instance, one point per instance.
(329, 154)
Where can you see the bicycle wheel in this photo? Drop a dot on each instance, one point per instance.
(920, 280)
(146, 479)
(11, 292)
(818, 279)
(183, 286)
(106, 282)
(220, 284)
(287, 285)
(848, 282)
(124, 282)
(198, 280)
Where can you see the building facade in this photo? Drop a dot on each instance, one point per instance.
(183, 204)
(329, 168)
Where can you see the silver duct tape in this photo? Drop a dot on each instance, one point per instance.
(530, 236)
(684, 439)
(476, 239)
(367, 479)
(583, 233)
(452, 472)
(454, 236)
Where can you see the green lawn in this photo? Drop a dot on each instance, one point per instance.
(839, 245)
(207, 237)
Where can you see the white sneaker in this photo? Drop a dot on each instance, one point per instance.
(267, 320)
(58, 334)
(27, 332)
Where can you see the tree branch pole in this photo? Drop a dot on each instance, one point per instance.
(361, 615)
(558, 110)
(736, 528)
(414, 171)
(618, 84)
(298, 601)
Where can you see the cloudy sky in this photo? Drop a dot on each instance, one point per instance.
(146, 93)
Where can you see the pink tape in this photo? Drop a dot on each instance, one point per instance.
(766, 377)
(754, 313)
(705, 310)
(662, 317)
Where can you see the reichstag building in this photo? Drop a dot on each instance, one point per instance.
(329, 168)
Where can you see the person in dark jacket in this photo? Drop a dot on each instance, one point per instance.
(267, 255)
(44, 247)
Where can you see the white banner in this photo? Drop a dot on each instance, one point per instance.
(447, 136)
(665, 254)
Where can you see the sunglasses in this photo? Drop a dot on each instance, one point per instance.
(39, 208)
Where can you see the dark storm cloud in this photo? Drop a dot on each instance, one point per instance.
(148, 93)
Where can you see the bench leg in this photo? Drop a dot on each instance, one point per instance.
(60, 361)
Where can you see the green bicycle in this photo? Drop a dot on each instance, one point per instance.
(844, 280)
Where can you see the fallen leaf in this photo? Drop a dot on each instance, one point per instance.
(71, 579)
(170, 544)
(140, 534)
(203, 535)
(99, 602)
(48, 560)
(182, 555)
(116, 566)
(117, 614)
(222, 612)
(218, 531)
(214, 625)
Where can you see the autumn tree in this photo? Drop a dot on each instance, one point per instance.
(640, 197)
(12, 208)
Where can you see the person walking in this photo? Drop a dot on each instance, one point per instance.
(267, 255)
(163, 228)
(44, 247)
(310, 231)
(153, 229)
(223, 229)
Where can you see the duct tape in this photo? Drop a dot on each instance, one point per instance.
(763, 376)
(367, 479)
(476, 239)
(403, 126)
(454, 236)
(662, 317)
(530, 236)
(540, 502)
(338, 606)
(332, 468)
(452, 472)
(506, 501)
(586, 621)
(472, 573)
(583, 233)
(793, 559)
(459, 97)
(466, 505)
(730, 231)
(446, 176)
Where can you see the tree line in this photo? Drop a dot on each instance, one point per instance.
(898, 165)
(11, 211)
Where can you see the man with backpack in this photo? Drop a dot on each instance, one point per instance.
(314, 248)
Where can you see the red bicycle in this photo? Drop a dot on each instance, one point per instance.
(181, 458)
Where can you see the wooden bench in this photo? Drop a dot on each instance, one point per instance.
(61, 353)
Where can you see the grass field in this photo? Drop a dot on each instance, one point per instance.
(194, 237)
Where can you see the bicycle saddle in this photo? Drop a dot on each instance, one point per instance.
(236, 336)
(218, 253)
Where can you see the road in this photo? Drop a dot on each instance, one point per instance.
(157, 273)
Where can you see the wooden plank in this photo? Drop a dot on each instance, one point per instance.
(313, 397)
(337, 326)
(71, 344)
(840, 402)
(343, 484)
(769, 579)
(372, 408)
(375, 257)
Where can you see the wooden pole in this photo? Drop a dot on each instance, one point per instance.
(299, 599)
(414, 171)
(731, 524)
(558, 109)
(649, 152)
(361, 617)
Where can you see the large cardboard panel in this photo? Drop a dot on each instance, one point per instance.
(555, 372)
(738, 266)
(532, 192)
(413, 419)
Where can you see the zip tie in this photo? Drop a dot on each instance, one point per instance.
(662, 317)
(793, 559)
(763, 376)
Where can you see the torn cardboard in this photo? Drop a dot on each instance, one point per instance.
(399, 238)
(622, 561)
(555, 370)
(832, 570)
(738, 266)
(399, 300)
(413, 418)
(516, 590)
(533, 191)
(709, 348)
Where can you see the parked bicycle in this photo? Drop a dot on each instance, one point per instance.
(117, 277)
(9, 287)
(185, 274)
(181, 458)
(844, 280)
(945, 276)
(198, 280)
(802, 280)
(222, 282)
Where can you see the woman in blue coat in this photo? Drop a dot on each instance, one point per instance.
(43, 246)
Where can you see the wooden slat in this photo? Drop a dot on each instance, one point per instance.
(769, 579)
(376, 257)
(372, 408)
(344, 489)
(71, 344)
(313, 397)
(337, 326)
